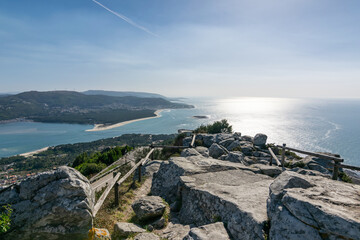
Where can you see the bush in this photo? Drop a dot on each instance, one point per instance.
(5, 220)
(217, 127)
(88, 169)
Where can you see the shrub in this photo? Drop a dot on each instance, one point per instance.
(217, 127)
(5, 220)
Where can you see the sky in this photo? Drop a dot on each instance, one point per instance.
(187, 48)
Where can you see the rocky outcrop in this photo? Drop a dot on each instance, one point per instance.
(166, 181)
(312, 207)
(208, 232)
(148, 207)
(52, 205)
(124, 229)
(235, 197)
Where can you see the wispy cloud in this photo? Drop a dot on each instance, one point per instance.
(126, 19)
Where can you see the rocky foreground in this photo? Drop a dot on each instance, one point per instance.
(224, 189)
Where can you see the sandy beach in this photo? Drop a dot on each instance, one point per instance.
(101, 127)
(28, 154)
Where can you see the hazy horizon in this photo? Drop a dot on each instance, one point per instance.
(232, 48)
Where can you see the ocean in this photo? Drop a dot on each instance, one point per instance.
(325, 125)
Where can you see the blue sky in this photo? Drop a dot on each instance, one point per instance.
(292, 48)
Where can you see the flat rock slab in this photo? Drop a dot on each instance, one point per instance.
(124, 229)
(147, 236)
(165, 181)
(313, 207)
(208, 232)
(235, 197)
(148, 207)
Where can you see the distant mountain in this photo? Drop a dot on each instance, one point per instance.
(75, 107)
(124, 94)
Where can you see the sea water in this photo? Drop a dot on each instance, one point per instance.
(325, 125)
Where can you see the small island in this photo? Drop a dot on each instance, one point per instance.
(200, 117)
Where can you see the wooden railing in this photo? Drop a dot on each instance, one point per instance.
(336, 165)
(114, 182)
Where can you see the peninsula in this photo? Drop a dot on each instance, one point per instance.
(80, 108)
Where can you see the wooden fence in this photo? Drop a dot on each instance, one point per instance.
(336, 165)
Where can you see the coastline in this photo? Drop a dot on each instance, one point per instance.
(28, 154)
(101, 127)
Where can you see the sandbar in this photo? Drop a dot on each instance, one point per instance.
(28, 154)
(102, 127)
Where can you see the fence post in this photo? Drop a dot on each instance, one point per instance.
(283, 156)
(271, 158)
(116, 189)
(139, 170)
(335, 171)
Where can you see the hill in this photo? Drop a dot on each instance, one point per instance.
(124, 94)
(75, 107)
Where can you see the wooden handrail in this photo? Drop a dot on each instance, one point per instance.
(193, 141)
(319, 155)
(274, 157)
(97, 177)
(135, 167)
(105, 194)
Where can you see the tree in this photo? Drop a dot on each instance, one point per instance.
(217, 127)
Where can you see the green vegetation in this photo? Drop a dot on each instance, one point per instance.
(75, 107)
(344, 177)
(66, 154)
(89, 165)
(5, 220)
(217, 127)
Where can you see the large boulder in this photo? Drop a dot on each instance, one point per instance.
(237, 157)
(56, 204)
(313, 207)
(216, 151)
(208, 139)
(189, 152)
(233, 145)
(149, 168)
(227, 142)
(148, 207)
(166, 181)
(175, 231)
(124, 229)
(222, 136)
(247, 148)
(208, 232)
(260, 140)
(204, 151)
(235, 197)
(247, 138)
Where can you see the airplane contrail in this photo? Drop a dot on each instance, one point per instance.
(126, 19)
